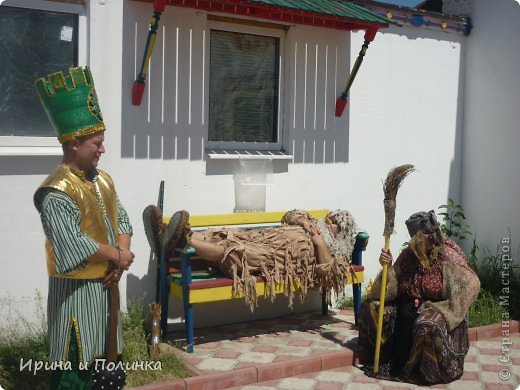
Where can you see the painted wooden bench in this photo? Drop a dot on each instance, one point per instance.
(188, 278)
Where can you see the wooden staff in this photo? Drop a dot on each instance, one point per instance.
(107, 377)
(153, 228)
(112, 323)
(160, 204)
(155, 307)
(390, 187)
(139, 84)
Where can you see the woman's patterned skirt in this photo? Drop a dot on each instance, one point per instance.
(431, 353)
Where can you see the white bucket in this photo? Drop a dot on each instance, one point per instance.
(250, 185)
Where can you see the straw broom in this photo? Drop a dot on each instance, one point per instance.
(153, 227)
(390, 187)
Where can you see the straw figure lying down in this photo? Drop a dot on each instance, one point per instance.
(303, 253)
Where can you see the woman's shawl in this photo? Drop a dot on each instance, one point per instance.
(460, 285)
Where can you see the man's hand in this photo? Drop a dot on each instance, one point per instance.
(316, 238)
(120, 257)
(309, 227)
(125, 259)
(113, 275)
(313, 230)
(322, 250)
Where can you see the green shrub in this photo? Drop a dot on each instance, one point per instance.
(502, 283)
(488, 266)
(486, 309)
(136, 336)
(12, 349)
(23, 339)
(345, 302)
(453, 221)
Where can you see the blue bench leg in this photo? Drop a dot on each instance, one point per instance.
(188, 308)
(324, 306)
(357, 259)
(188, 313)
(164, 293)
(356, 292)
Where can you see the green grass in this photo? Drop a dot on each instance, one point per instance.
(135, 335)
(33, 346)
(22, 339)
(486, 310)
(495, 279)
(346, 302)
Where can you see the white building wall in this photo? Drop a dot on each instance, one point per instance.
(490, 186)
(404, 107)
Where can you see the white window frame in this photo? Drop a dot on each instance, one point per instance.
(45, 146)
(253, 30)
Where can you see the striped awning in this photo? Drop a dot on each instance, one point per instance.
(336, 14)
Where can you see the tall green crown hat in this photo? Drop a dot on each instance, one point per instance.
(71, 103)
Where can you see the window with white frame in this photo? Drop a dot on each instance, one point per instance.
(244, 89)
(37, 38)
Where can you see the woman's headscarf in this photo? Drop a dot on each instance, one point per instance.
(418, 225)
(424, 221)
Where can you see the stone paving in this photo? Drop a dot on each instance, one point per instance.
(482, 370)
(311, 351)
(263, 342)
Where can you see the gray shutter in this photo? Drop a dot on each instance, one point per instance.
(243, 87)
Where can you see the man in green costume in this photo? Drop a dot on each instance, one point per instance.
(87, 230)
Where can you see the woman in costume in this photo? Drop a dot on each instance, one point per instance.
(430, 289)
(313, 253)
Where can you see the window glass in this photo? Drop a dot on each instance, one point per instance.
(33, 43)
(243, 87)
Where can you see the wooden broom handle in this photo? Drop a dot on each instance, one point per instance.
(381, 310)
(112, 325)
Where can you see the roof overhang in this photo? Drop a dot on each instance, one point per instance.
(334, 15)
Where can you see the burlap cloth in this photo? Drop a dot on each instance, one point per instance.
(283, 255)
